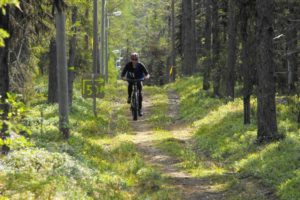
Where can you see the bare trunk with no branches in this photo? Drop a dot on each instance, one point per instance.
(266, 108)
(231, 56)
(62, 74)
(189, 50)
(71, 68)
(52, 76)
(216, 49)
(207, 45)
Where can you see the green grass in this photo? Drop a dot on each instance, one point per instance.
(159, 110)
(221, 137)
(224, 150)
(99, 161)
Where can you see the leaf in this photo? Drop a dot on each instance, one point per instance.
(11, 2)
(17, 4)
(8, 141)
(9, 115)
(3, 35)
(3, 10)
(1, 142)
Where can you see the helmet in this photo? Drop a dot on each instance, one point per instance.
(134, 56)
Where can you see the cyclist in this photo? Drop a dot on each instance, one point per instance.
(135, 70)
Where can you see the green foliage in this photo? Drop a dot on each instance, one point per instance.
(17, 129)
(158, 98)
(99, 161)
(146, 31)
(221, 137)
(149, 179)
(278, 165)
(6, 2)
(42, 174)
(3, 35)
(113, 73)
(172, 146)
(191, 94)
(3, 3)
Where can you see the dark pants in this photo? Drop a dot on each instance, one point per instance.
(140, 88)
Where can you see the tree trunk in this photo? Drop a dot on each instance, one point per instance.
(4, 78)
(184, 26)
(96, 56)
(71, 68)
(298, 118)
(86, 37)
(169, 57)
(246, 61)
(231, 57)
(52, 77)
(266, 108)
(102, 68)
(168, 67)
(95, 38)
(192, 35)
(207, 63)
(291, 44)
(247, 109)
(216, 49)
(42, 63)
(173, 54)
(194, 39)
(189, 52)
(62, 74)
(106, 47)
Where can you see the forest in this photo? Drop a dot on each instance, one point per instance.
(219, 117)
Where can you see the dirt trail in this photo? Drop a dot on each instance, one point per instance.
(191, 188)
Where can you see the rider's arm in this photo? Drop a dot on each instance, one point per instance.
(145, 71)
(124, 71)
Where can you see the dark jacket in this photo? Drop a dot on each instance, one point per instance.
(139, 72)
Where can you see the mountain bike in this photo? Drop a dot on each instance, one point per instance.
(134, 98)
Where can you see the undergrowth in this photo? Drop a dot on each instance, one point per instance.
(159, 111)
(98, 161)
(224, 145)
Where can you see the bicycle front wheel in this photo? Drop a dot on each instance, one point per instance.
(134, 106)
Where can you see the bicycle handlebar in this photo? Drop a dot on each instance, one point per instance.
(134, 80)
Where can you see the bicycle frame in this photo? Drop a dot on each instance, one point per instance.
(134, 98)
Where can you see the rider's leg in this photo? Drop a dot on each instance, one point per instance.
(140, 89)
(129, 92)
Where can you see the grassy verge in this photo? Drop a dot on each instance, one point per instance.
(99, 161)
(221, 138)
(159, 111)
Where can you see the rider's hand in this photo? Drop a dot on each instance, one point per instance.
(147, 77)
